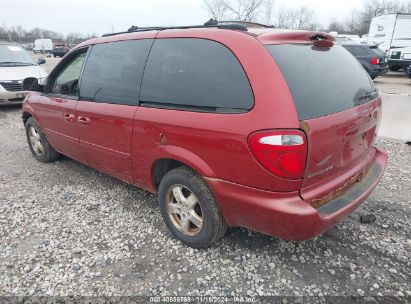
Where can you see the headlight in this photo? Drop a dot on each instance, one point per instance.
(42, 80)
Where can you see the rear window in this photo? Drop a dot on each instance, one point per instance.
(358, 50)
(377, 50)
(322, 80)
(195, 74)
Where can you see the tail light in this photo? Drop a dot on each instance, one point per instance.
(282, 153)
(375, 60)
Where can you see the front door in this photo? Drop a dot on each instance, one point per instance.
(57, 107)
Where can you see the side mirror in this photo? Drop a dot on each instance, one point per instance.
(41, 61)
(32, 84)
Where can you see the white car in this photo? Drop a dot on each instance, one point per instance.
(16, 65)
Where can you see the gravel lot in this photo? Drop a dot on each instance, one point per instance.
(69, 230)
(66, 229)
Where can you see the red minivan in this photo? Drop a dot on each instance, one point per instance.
(256, 127)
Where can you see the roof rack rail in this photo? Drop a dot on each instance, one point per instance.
(244, 23)
(234, 25)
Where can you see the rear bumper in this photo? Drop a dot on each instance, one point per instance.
(287, 215)
(59, 53)
(379, 72)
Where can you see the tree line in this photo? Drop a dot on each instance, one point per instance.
(21, 35)
(303, 18)
(246, 10)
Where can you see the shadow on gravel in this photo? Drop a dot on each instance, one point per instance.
(10, 107)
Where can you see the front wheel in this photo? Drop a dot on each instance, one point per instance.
(39, 146)
(189, 209)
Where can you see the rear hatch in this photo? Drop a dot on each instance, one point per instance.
(339, 110)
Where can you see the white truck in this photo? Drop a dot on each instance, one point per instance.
(43, 46)
(392, 33)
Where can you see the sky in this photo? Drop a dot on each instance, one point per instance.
(102, 16)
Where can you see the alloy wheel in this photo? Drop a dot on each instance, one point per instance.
(184, 210)
(35, 141)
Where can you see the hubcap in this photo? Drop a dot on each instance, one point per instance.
(35, 141)
(184, 210)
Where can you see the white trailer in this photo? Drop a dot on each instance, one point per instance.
(392, 32)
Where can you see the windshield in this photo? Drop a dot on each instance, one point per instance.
(13, 55)
(323, 80)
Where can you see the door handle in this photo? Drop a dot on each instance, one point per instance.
(83, 120)
(59, 100)
(69, 117)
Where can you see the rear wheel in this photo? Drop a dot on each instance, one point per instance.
(189, 209)
(39, 146)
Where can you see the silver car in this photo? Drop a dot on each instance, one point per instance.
(15, 65)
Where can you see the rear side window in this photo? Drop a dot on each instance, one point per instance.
(113, 72)
(195, 74)
(323, 80)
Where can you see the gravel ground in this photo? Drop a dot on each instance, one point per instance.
(66, 229)
(394, 83)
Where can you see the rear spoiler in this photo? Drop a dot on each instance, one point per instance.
(281, 37)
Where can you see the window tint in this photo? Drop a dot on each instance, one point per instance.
(322, 80)
(195, 74)
(113, 71)
(66, 82)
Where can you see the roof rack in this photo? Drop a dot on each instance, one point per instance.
(244, 23)
(229, 25)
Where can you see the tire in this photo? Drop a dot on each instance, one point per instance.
(213, 226)
(36, 139)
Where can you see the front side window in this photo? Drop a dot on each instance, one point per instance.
(66, 82)
(113, 72)
(195, 74)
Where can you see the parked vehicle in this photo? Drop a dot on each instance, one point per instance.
(347, 38)
(60, 50)
(43, 46)
(408, 71)
(400, 58)
(28, 47)
(15, 66)
(231, 126)
(392, 32)
(371, 58)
